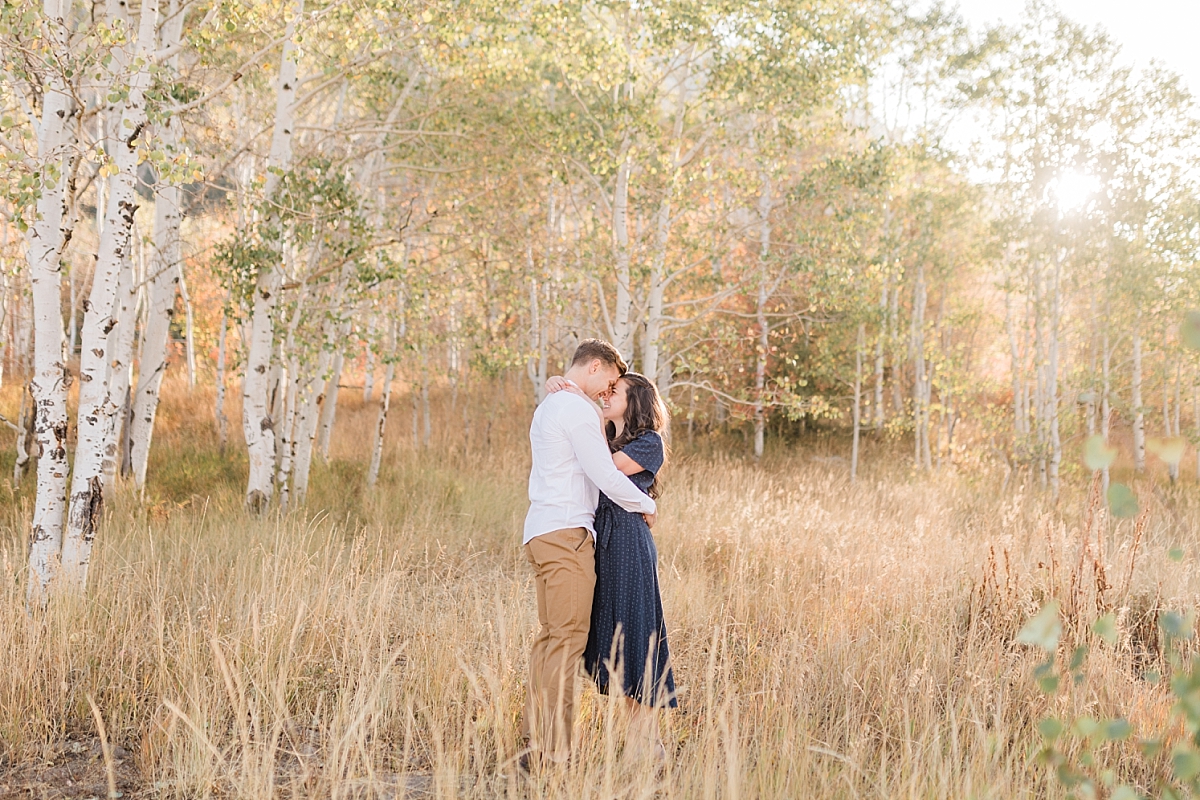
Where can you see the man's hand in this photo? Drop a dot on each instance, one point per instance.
(650, 519)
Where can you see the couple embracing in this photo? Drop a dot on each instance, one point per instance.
(587, 535)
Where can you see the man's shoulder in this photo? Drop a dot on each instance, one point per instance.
(564, 404)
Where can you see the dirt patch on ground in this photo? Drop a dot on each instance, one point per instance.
(74, 770)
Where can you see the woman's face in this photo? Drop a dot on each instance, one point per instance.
(615, 402)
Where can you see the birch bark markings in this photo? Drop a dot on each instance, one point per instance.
(385, 403)
(96, 411)
(622, 328)
(46, 238)
(120, 361)
(160, 297)
(257, 424)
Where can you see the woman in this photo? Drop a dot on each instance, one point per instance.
(627, 645)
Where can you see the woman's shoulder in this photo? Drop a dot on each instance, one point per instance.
(646, 448)
(648, 438)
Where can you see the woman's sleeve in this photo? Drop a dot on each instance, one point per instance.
(647, 451)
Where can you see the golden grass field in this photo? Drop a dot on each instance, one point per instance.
(829, 640)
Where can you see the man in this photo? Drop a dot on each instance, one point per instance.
(571, 465)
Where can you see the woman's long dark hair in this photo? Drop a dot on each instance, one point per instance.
(644, 411)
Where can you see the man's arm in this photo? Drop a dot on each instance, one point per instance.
(588, 443)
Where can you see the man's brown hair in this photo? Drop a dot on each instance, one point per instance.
(591, 349)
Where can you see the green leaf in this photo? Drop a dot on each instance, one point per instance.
(1085, 726)
(1121, 501)
(1106, 628)
(1097, 454)
(1124, 793)
(1048, 684)
(1176, 625)
(1044, 629)
(1069, 777)
(1185, 764)
(1175, 554)
(1189, 330)
(1116, 729)
(1077, 658)
(1050, 729)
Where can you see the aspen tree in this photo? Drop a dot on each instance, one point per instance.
(658, 259)
(856, 415)
(622, 317)
(257, 423)
(161, 287)
(120, 364)
(395, 333)
(1135, 400)
(47, 236)
(765, 292)
(96, 409)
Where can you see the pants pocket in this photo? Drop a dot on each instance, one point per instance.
(586, 536)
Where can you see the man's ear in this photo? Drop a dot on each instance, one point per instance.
(596, 365)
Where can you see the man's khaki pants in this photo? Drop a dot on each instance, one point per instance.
(564, 565)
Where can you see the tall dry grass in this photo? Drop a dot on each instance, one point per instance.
(829, 640)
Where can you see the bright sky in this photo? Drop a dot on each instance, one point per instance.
(1166, 30)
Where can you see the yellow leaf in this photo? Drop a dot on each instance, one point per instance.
(1168, 448)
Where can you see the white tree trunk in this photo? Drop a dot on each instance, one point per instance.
(96, 411)
(655, 297)
(537, 364)
(1105, 396)
(857, 414)
(219, 405)
(369, 369)
(313, 399)
(622, 332)
(25, 438)
(47, 237)
(1139, 413)
(658, 261)
(877, 411)
(920, 376)
(189, 327)
(290, 384)
(257, 424)
(764, 328)
(161, 286)
(120, 361)
(1171, 420)
(385, 403)
(1052, 370)
(329, 410)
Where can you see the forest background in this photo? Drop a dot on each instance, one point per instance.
(946, 274)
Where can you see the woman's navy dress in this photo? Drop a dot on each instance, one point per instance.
(628, 631)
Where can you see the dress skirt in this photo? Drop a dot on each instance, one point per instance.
(628, 638)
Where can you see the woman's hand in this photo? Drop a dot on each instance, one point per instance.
(557, 383)
(650, 519)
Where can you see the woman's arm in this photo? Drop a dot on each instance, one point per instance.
(626, 464)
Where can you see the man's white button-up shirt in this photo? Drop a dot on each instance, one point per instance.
(571, 466)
